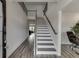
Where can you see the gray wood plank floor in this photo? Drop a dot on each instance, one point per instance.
(23, 51)
(67, 52)
(26, 51)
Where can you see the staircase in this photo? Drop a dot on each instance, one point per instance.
(44, 41)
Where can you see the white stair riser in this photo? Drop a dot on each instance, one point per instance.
(44, 34)
(46, 52)
(41, 27)
(42, 31)
(43, 37)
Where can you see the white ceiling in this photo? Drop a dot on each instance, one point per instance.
(72, 7)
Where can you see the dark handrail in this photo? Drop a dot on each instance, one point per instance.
(50, 24)
(44, 11)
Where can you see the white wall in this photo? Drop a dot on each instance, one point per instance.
(68, 21)
(63, 3)
(0, 29)
(17, 30)
(52, 14)
(54, 17)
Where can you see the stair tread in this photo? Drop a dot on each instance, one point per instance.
(46, 52)
(45, 44)
(46, 49)
(43, 33)
(43, 36)
(42, 30)
(42, 26)
(44, 39)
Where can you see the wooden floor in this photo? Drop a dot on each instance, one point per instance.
(67, 52)
(24, 51)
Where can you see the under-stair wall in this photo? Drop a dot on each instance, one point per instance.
(54, 37)
(17, 30)
(52, 14)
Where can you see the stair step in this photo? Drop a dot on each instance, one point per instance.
(46, 49)
(42, 31)
(42, 21)
(45, 44)
(41, 24)
(46, 52)
(42, 28)
(43, 34)
(43, 37)
(40, 46)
